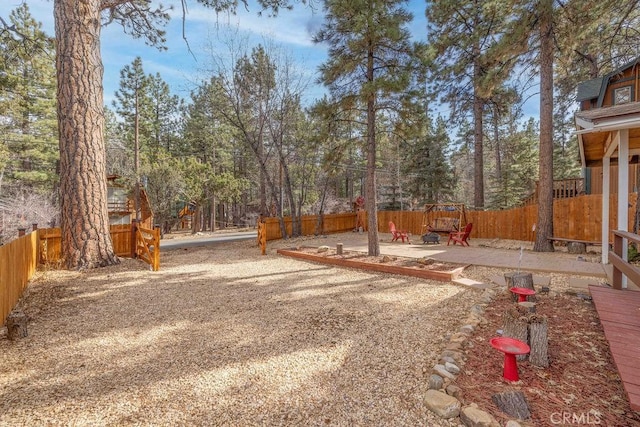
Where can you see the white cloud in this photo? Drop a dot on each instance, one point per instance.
(293, 27)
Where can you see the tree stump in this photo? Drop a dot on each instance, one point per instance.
(529, 306)
(522, 280)
(576, 248)
(516, 279)
(512, 403)
(16, 324)
(508, 278)
(538, 341)
(515, 325)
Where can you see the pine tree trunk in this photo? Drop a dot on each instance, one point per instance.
(478, 136)
(370, 186)
(84, 219)
(544, 229)
(516, 279)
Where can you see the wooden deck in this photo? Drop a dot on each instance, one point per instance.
(619, 312)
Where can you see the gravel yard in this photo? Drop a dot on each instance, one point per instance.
(224, 336)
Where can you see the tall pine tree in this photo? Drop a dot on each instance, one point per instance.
(28, 128)
(462, 35)
(368, 68)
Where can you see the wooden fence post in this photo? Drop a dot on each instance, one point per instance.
(156, 248)
(134, 238)
(34, 226)
(262, 236)
(21, 231)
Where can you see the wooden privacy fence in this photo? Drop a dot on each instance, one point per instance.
(143, 247)
(20, 258)
(51, 243)
(18, 263)
(578, 218)
(331, 223)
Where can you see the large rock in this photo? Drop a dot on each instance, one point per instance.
(441, 404)
(471, 416)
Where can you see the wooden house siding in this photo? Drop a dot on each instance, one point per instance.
(627, 75)
(593, 179)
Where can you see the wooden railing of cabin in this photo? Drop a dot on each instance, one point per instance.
(620, 266)
(120, 206)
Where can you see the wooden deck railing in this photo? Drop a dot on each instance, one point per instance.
(562, 189)
(620, 265)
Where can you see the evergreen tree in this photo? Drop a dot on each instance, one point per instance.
(427, 162)
(165, 186)
(461, 158)
(519, 154)
(211, 139)
(462, 35)
(130, 105)
(28, 128)
(163, 112)
(368, 68)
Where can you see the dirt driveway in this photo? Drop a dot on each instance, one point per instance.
(224, 336)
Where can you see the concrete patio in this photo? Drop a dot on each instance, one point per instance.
(481, 255)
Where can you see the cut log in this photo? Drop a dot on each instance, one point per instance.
(522, 280)
(516, 279)
(508, 278)
(538, 341)
(576, 248)
(527, 307)
(16, 324)
(512, 403)
(515, 326)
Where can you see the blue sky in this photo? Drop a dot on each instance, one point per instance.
(292, 31)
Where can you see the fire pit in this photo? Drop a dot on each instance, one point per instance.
(431, 237)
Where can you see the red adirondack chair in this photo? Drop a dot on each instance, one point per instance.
(397, 234)
(460, 236)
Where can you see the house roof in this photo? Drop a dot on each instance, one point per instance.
(596, 88)
(589, 89)
(595, 129)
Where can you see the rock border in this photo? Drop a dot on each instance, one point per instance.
(444, 397)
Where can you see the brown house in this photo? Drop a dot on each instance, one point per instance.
(121, 204)
(616, 95)
(608, 128)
